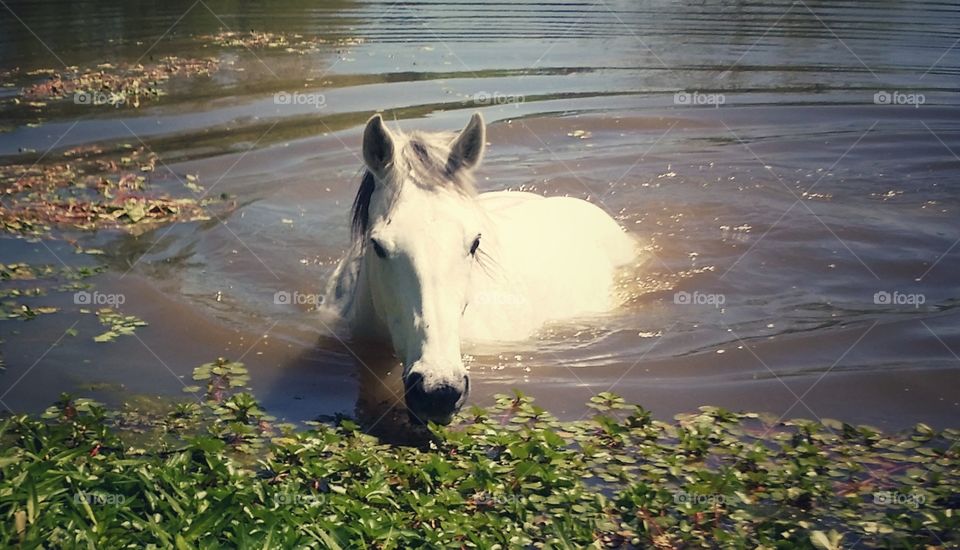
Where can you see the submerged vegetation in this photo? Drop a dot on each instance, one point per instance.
(287, 42)
(92, 189)
(221, 472)
(134, 84)
(22, 283)
(108, 84)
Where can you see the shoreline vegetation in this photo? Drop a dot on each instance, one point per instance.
(219, 471)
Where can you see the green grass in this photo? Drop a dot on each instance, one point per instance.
(222, 473)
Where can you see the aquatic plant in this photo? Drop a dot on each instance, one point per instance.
(117, 324)
(286, 42)
(220, 472)
(112, 85)
(95, 189)
(21, 283)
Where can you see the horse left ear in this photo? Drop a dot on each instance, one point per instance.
(377, 146)
(467, 149)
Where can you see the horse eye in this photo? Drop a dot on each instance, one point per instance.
(475, 246)
(378, 248)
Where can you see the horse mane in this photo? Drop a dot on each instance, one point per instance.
(360, 221)
(421, 158)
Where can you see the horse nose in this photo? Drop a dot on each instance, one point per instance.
(436, 402)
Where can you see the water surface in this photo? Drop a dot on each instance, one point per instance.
(752, 146)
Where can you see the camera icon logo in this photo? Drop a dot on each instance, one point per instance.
(282, 298)
(882, 98)
(882, 298)
(682, 298)
(82, 298)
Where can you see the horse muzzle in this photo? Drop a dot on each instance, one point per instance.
(434, 400)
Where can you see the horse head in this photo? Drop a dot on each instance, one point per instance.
(421, 236)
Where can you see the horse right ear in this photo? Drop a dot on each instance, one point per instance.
(377, 146)
(467, 149)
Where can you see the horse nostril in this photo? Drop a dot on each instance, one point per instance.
(414, 384)
(446, 397)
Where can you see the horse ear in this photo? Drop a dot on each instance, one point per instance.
(377, 145)
(467, 149)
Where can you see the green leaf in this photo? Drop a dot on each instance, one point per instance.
(826, 541)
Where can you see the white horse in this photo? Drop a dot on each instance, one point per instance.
(434, 263)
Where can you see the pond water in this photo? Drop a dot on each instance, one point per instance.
(785, 164)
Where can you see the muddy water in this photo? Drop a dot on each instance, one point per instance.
(774, 157)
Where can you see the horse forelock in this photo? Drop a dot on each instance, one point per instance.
(422, 159)
(425, 158)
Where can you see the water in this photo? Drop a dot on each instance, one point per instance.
(752, 146)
